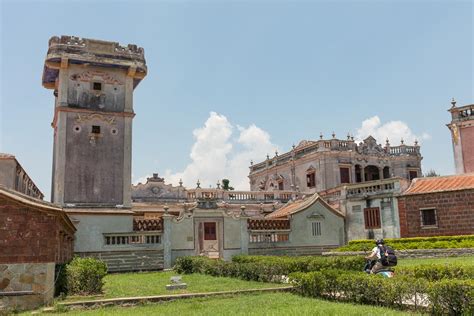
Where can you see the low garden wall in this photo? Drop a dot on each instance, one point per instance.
(26, 285)
(412, 253)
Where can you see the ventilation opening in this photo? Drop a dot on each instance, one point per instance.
(95, 129)
(97, 86)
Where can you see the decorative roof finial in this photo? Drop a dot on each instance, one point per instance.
(321, 135)
(416, 142)
(387, 142)
(453, 102)
(268, 156)
(276, 153)
(402, 141)
(251, 162)
(333, 135)
(198, 184)
(166, 208)
(348, 136)
(218, 184)
(293, 146)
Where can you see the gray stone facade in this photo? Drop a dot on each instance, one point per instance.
(315, 166)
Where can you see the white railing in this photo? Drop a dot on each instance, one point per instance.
(130, 239)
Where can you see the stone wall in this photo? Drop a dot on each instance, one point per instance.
(26, 285)
(129, 260)
(454, 213)
(413, 253)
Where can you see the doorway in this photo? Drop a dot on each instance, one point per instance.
(208, 239)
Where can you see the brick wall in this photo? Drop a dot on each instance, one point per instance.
(467, 143)
(29, 234)
(454, 212)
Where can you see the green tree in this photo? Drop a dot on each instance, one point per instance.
(431, 173)
(226, 186)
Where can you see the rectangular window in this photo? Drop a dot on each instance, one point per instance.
(428, 217)
(280, 185)
(311, 180)
(345, 178)
(210, 231)
(95, 129)
(97, 86)
(316, 228)
(372, 217)
(413, 174)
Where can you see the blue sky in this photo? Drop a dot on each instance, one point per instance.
(230, 81)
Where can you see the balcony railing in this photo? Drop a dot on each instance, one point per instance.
(132, 239)
(146, 225)
(268, 224)
(269, 237)
(371, 188)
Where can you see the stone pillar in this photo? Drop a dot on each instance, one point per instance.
(166, 240)
(380, 173)
(362, 173)
(244, 236)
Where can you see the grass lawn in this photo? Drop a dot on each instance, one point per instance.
(256, 304)
(467, 260)
(153, 283)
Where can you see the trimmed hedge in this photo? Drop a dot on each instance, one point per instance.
(84, 276)
(463, 241)
(436, 272)
(452, 297)
(262, 268)
(268, 268)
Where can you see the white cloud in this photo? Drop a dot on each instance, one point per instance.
(393, 130)
(215, 154)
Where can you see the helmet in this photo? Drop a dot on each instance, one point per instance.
(379, 242)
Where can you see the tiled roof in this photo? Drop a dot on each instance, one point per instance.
(441, 184)
(293, 207)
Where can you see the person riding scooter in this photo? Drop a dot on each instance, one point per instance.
(374, 263)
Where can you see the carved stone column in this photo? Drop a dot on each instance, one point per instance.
(244, 236)
(166, 240)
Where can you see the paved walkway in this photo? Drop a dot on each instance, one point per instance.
(158, 298)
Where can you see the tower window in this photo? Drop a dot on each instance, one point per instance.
(311, 180)
(97, 86)
(95, 129)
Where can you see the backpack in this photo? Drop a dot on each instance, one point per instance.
(387, 256)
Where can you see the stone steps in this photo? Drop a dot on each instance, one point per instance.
(133, 260)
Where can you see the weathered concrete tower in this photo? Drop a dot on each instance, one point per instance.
(93, 84)
(462, 132)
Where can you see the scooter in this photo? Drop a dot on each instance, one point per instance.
(386, 273)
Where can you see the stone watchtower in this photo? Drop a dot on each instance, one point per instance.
(93, 83)
(462, 132)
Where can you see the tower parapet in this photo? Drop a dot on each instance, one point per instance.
(462, 133)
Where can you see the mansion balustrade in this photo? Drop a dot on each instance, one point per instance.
(241, 196)
(372, 188)
(132, 239)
